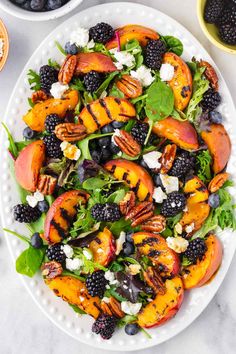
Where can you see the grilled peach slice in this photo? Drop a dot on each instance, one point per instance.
(73, 291)
(182, 134)
(129, 32)
(134, 175)
(35, 118)
(61, 214)
(198, 274)
(28, 165)
(103, 247)
(197, 207)
(181, 83)
(101, 112)
(219, 145)
(94, 61)
(163, 307)
(155, 248)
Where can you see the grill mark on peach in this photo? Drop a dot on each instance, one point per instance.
(58, 228)
(125, 175)
(103, 104)
(147, 196)
(201, 188)
(65, 215)
(117, 100)
(136, 187)
(154, 253)
(113, 168)
(148, 241)
(127, 116)
(89, 108)
(98, 241)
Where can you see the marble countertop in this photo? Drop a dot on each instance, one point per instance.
(24, 329)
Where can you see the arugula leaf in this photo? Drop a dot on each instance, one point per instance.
(89, 265)
(204, 161)
(84, 222)
(185, 262)
(34, 80)
(77, 84)
(12, 145)
(173, 44)
(60, 48)
(31, 103)
(54, 64)
(29, 261)
(125, 320)
(77, 309)
(160, 101)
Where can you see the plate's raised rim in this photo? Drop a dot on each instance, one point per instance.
(220, 275)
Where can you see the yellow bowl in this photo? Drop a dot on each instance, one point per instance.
(4, 36)
(211, 31)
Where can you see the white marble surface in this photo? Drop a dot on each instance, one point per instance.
(23, 328)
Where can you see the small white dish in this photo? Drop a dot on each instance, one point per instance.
(16, 11)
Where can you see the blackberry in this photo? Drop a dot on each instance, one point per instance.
(92, 81)
(182, 165)
(105, 326)
(174, 204)
(52, 120)
(211, 100)
(228, 16)
(96, 284)
(56, 253)
(228, 34)
(196, 250)
(101, 33)
(106, 212)
(213, 10)
(53, 146)
(139, 132)
(48, 76)
(154, 53)
(25, 213)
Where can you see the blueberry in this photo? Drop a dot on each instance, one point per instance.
(117, 125)
(54, 4)
(106, 154)
(128, 237)
(43, 206)
(37, 5)
(107, 129)
(36, 240)
(96, 155)
(142, 163)
(157, 181)
(128, 248)
(214, 200)
(26, 6)
(215, 117)
(114, 148)
(131, 329)
(104, 142)
(29, 133)
(71, 48)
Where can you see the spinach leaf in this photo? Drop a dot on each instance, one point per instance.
(77, 309)
(106, 83)
(29, 261)
(120, 225)
(84, 145)
(117, 196)
(160, 101)
(174, 45)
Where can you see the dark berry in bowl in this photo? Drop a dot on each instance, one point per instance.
(213, 10)
(96, 283)
(131, 329)
(92, 81)
(29, 133)
(54, 4)
(56, 253)
(37, 5)
(128, 248)
(228, 34)
(52, 120)
(43, 206)
(215, 117)
(101, 33)
(36, 241)
(228, 16)
(107, 129)
(214, 200)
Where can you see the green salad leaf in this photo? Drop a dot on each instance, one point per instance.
(77, 309)
(204, 161)
(106, 83)
(12, 145)
(60, 48)
(34, 80)
(54, 64)
(29, 261)
(173, 44)
(84, 145)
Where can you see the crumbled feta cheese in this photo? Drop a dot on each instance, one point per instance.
(70, 151)
(178, 244)
(171, 184)
(190, 228)
(125, 287)
(119, 153)
(119, 242)
(116, 133)
(80, 37)
(91, 44)
(108, 286)
(33, 200)
(87, 254)
(100, 250)
(68, 250)
(73, 264)
(1, 47)
(167, 72)
(106, 299)
(129, 308)
(178, 228)
(110, 276)
(152, 159)
(143, 74)
(159, 195)
(123, 58)
(57, 89)
(81, 298)
(134, 269)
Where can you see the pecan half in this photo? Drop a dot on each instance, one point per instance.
(38, 96)
(70, 132)
(127, 144)
(127, 203)
(155, 224)
(140, 213)
(112, 308)
(218, 181)
(51, 269)
(154, 280)
(210, 74)
(130, 86)
(67, 69)
(46, 184)
(168, 157)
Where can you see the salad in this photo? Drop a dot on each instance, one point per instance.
(122, 176)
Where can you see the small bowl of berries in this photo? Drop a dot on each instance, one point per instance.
(218, 21)
(38, 10)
